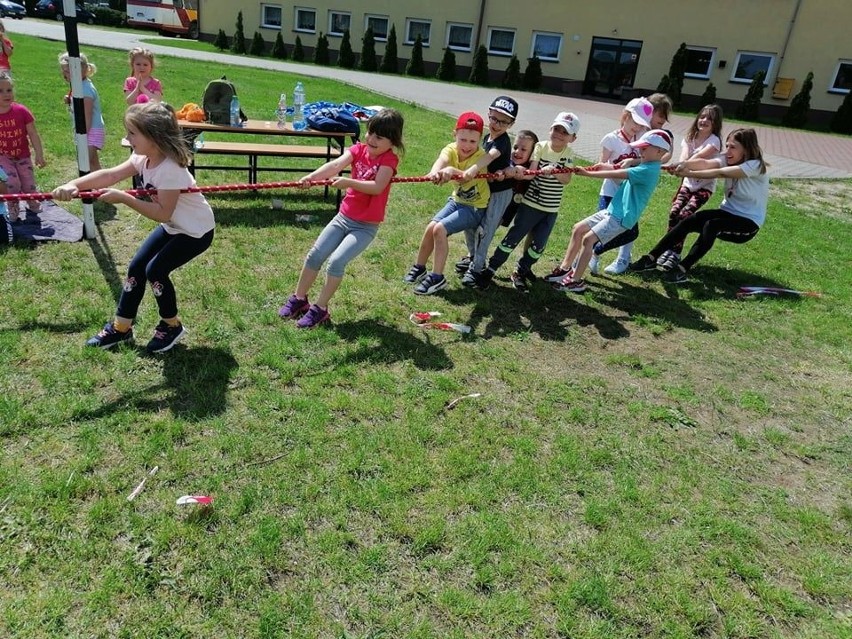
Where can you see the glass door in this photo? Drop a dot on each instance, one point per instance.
(612, 67)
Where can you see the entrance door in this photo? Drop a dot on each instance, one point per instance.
(612, 67)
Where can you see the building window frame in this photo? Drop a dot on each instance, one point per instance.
(502, 50)
(842, 70)
(335, 22)
(411, 37)
(711, 62)
(459, 25)
(546, 34)
(370, 19)
(298, 14)
(739, 78)
(265, 21)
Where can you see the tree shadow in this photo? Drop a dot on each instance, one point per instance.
(197, 378)
(299, 209)
(394, 345)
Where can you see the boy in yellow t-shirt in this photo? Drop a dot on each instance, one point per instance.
(461, 161)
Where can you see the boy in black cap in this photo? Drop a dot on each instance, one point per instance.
(498, 146)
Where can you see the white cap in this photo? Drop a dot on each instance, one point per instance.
(640, 110)
(655, 137)
(568, 121)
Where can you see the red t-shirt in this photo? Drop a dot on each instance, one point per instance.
(359, 206)
(14, 141)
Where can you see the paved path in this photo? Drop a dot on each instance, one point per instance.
(790, 153)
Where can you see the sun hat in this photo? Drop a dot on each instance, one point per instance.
(655, 137)
(568, 121)
(641, 111)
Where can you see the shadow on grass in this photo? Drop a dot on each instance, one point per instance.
(102, 252)
(198, 379)
(395, 345)
(307, 203)
(714, 282)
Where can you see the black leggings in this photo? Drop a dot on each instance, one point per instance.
(709, 224)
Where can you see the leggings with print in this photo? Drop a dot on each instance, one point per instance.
(684, 204)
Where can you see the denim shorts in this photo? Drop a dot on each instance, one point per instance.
(457, 217)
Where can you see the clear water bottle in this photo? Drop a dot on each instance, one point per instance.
(235, 112)
(199, 142)
(281, 111)
(298, 105)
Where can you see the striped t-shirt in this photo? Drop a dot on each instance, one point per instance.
(545, 191)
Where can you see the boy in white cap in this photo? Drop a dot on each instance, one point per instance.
(537, 212)
(623, 211)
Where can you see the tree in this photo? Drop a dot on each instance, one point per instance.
(447, 68)
(258, 45)
(672, 84)
(708, 97)
(532, 76)
(221, 41)
(298, 51)
(279, 51)
(390, 62)
(841, 122)
(479, 70)
(797, 114)
(346, 57)
(321, 55)
(239, 43)
(415, 63)
(750, 106)
(512, 76)
(368, 51)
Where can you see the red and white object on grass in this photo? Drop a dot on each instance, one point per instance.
(424, 320)
(201, 500)
(748, 291)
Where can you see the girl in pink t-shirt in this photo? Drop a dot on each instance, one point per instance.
(374, 163)
(6, 48)
(17, 133)
(141, 86)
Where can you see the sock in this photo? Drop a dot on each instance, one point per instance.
(624, 251)
(122, 324)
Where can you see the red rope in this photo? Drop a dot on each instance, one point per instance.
(15, 197)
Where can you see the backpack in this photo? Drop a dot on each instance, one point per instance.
(216, 102)
(333, 119)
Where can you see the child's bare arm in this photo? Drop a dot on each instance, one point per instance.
(370, 187)
(329, 169)
(35, 141)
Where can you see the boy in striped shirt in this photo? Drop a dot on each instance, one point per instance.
(536, 213)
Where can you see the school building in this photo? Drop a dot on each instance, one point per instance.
(614, 49)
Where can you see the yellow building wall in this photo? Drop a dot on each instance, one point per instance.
(818, 38)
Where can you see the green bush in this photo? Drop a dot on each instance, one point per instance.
(842, 120)
(447, 68)
(221, 41)
(512, 76)
(797, 114)
(298, 51)
(258, 45)
(368, 51)
(321, 55)
(750, 107)
(238, 45)
(672, 84)
(390, 61)
(415, 63)
(532, 76)
(479, 70)
(279, 51)
(708, 97)
(110, 17)
(346, 57)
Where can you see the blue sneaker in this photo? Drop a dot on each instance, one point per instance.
(430, 284)
(109, 336)
(314, 317)
(165, 337)
(415, 274)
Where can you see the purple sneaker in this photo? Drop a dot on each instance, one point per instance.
(294, 308)
(313, 318)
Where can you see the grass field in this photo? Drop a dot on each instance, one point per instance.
(643, 461)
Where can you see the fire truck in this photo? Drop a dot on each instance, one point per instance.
(169, 17)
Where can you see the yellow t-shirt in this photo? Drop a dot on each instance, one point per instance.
(474, 193)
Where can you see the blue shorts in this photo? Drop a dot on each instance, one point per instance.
(455, 217)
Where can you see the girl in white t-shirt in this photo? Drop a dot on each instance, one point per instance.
(160, 157)
(738, 218)
(703, 141)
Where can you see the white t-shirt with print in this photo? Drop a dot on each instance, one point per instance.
(192, 215)
(619, 149)
(747, 197)
(693, 184)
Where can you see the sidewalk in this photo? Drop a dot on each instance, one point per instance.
(790, 153)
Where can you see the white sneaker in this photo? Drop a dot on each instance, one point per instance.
(595, 264)
(618, 267)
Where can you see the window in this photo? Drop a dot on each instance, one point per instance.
(749, 63)
(379, 25)
(842, 82)
(306, 20)
(413, 28)
(270, 16)
(501, 41)
(338, 22)
(699, 62)
(459, 36)
(546, 46)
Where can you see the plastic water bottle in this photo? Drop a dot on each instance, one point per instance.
(281, 111)
(298, 105)
(199, 142)
(235, 112)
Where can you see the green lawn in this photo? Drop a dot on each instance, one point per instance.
(643, 461)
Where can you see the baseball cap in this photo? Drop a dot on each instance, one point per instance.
(505, 105)
(655, 137)
(567, 121)
(641, 111)
(470, 120)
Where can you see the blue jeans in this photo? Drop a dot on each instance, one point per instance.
(455, 217)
